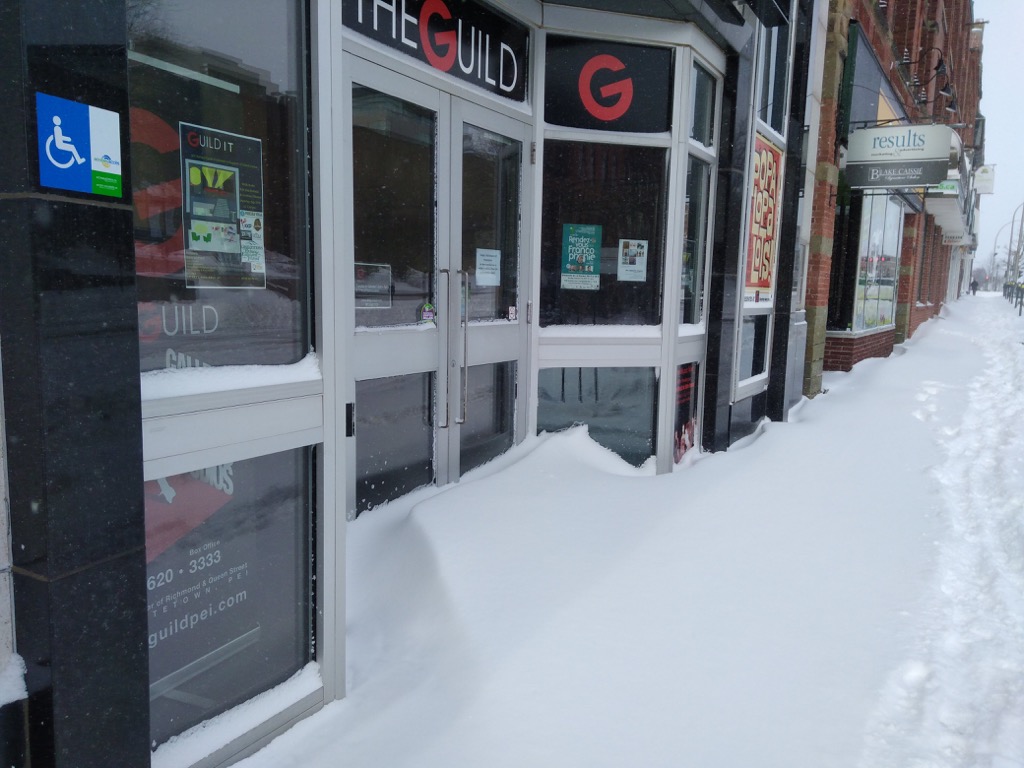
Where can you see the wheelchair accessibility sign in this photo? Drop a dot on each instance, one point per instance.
(79, 146)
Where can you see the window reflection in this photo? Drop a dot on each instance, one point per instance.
(219, 183)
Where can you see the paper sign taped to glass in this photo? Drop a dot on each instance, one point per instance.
(222, 208)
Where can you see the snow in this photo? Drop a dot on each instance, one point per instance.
(844, 589)
(12, 680)
(177, 382)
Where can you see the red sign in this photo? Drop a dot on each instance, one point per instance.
(619, 93)
(765, 208)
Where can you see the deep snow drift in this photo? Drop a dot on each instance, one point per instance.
(846, 589)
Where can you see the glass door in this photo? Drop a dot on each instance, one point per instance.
(437, 283)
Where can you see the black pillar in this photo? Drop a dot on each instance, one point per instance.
(778, 367)
(69, 340)
(726, 249)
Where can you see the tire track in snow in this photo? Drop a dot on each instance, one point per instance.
(959, 702)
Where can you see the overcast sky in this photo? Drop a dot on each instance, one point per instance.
(1002, 86)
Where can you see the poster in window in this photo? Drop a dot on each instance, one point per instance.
(374, 286)
(227, 585)
(222, 208)
(632, 261)
(581, 257)
(765, 210)
(488, 267)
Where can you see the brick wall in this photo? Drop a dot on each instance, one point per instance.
(843, 352)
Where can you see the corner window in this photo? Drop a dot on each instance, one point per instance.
(702, 125)
(695, 222)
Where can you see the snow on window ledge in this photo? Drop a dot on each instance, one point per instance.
(176, 382)
(206, 738)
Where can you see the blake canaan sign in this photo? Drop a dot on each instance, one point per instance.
(898, 156)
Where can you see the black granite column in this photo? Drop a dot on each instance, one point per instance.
(726, 248)
(776, 405)
(69, 340)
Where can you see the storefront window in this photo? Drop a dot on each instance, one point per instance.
(618, 405)
(228, 575)
(219, 163)
(695, 216)
(753, 346)
(393, 154)
(603, 234)
(881, 234)
(703, 121)
(774, 76)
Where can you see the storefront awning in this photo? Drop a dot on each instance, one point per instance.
(722, 20)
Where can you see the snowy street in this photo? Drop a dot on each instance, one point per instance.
(845, 590)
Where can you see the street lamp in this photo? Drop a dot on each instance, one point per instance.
(1006, 275)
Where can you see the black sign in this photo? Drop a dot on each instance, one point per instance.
(461, 38)
(608, 86)
(919, 173)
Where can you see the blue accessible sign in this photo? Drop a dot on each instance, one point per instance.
(79, 146)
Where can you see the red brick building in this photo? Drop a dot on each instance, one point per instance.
(882, 261)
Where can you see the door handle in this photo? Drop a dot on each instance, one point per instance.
(446, 307)
(464, 406)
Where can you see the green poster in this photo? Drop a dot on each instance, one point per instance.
(581, 257)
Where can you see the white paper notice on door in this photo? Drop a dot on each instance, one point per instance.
(488, 267)
(633, 260)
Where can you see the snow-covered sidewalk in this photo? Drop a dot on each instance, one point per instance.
(846, 589)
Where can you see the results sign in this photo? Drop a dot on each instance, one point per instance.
(897, 157)
(464, 39)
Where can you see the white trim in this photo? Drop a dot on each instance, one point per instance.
(198, 439)
(329, 617)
